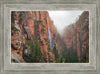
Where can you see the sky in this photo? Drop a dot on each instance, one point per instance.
(62, 19)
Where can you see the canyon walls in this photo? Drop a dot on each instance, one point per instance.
(77, 36)
(32, 25)
(36, 27)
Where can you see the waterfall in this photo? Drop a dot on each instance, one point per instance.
(49, 35)
(50, 39)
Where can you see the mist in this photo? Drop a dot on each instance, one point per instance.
(62, 19)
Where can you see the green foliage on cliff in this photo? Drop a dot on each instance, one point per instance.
(69, 56)
(55, 51)
(85, 57)
(12, 17)
(38, 21)
(21, 16)
(21, 19)
(35, 54)
(13, 28)
(41, 30)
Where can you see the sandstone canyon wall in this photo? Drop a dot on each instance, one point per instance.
(77, 35)
(32, 24)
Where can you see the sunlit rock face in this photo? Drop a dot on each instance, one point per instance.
(33, 24)
(77, 35)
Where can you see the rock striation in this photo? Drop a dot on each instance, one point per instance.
(32, 24)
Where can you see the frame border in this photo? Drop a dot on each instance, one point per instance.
(50, 71)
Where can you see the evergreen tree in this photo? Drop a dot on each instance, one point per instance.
(55, 51)
(69, 56)
(35, 54)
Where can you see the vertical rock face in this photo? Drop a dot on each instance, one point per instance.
(32, 24)
(17, 39)
(77, 35)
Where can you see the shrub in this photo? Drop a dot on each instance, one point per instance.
(21, 16)
(14, 28)
(41, 30)
(40, 21)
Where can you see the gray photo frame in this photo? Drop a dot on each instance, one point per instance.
(6, 67)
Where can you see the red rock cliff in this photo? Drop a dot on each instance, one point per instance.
(77, 35)
(33, 24)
